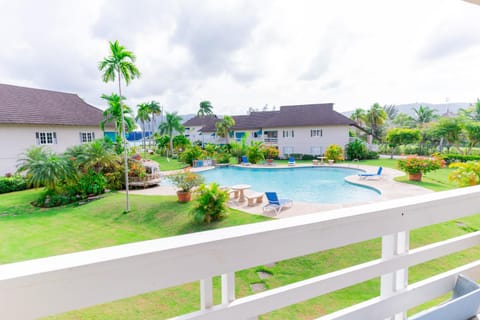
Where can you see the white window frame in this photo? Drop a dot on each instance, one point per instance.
(316, 133)
(46, 138)
(87, 136)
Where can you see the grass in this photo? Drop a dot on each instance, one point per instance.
(27, 233)
(166, 164)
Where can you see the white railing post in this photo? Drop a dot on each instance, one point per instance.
(228, 287)
(393, 245)
(206, 294)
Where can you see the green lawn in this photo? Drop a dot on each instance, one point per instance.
(166, 164)
(27, 232)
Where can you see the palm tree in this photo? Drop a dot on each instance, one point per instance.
(114, 114)
(375, 118)
(171, 124)
(358, 116)
(120, 64)
(143, 115)
(155, 109)
(424, 115)
(205, 108)
(223, 127)
(45, 168)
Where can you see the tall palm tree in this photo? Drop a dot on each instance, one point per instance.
(223, 127)
(375, 118)
(114, 114)
(424, 115)
(155, 109)
(358, 116)
(143, 115)
(171, 124)
(205, 109)
(120, 64)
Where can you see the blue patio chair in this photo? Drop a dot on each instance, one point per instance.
(275, 203)
(377, 175)
(245, 161)
(291, 161)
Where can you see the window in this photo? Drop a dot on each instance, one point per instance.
(45, 138)
(87, 137)
(316, 133)
(287, 133)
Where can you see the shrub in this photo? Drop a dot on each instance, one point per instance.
(356, 150)
(415, 164)
(307, 157)
(210, 204)
(12, 183)
(270, 152)
(223, 157)
(191, 153)
(90, 183)
(334, 152)
(186, 181)
(467, 174)
(373, 155)
(255, 152)
(51, 199)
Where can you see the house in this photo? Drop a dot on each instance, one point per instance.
(295, 129)
(35, 117)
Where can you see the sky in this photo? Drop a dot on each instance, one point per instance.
(248, 54)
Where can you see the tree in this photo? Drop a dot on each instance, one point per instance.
(403, 120)
(171, 124)
(375, 118)
(391, 111)
(424, 115)
(398, 136)
(472, 112)
(358, 116)
(223, 127)
(450, 129)
(472, 133)
(205, 108)
(114, 114)
(155, 109)
(120, 64)
(143, 115)
(45, 168)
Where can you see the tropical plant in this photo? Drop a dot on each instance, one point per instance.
(171, 124)
(270, 152)
(467, 173)
(255, 152)
(450, 129)
(186, 181)
(472, 133)
(210, 149)
(472, 112)
(205, 108)
(403, 120)
(210, 204)
(12, 183)
(224, 126)
(391, 111)
(375, 118)
(399, 136)
(120, 64)
(416, 164)
(155, 109)
(181, 142)
(114, 114)
(45, 168)
(143, 115)
(358, 116)
(356, 150)
(334, 152)
(424, 115)
(191, 153)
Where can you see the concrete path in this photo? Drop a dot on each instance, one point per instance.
(389, 189)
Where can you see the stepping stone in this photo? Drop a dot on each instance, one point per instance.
(263, 275)
(257, 287)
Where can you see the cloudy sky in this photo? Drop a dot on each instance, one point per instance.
(241, 54)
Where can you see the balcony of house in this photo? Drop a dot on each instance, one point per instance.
(270, 137)
(43, 287)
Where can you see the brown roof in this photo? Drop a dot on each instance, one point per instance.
(287, 116)
(20, 105)
(307, 115)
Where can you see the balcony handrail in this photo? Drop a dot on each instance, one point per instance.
(66, 282)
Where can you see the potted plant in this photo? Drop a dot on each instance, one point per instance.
(416, 166)
(270, 153)
(185, 182)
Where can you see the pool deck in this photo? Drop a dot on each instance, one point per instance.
(389, 188)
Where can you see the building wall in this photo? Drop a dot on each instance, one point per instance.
(303, 142)
(15, 139)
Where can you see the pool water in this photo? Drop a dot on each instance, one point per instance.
(307, 184)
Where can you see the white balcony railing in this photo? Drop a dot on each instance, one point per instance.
(270, 140)
(53, 285)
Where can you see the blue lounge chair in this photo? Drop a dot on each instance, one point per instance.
(291, 161)
(377, 175)
(245, 161)
(275, 203)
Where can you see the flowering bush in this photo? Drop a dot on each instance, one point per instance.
(334, 152)
(270, 152)
(415, 164)
(186, 181)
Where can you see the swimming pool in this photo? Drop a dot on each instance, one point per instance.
(306, 184)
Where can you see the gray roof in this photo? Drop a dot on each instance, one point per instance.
(200, 121)
(288, 116)
(20, 105)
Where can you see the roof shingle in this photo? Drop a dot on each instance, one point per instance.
(21, 105)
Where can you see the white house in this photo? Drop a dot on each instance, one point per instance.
(34, 117)
(296, 129)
